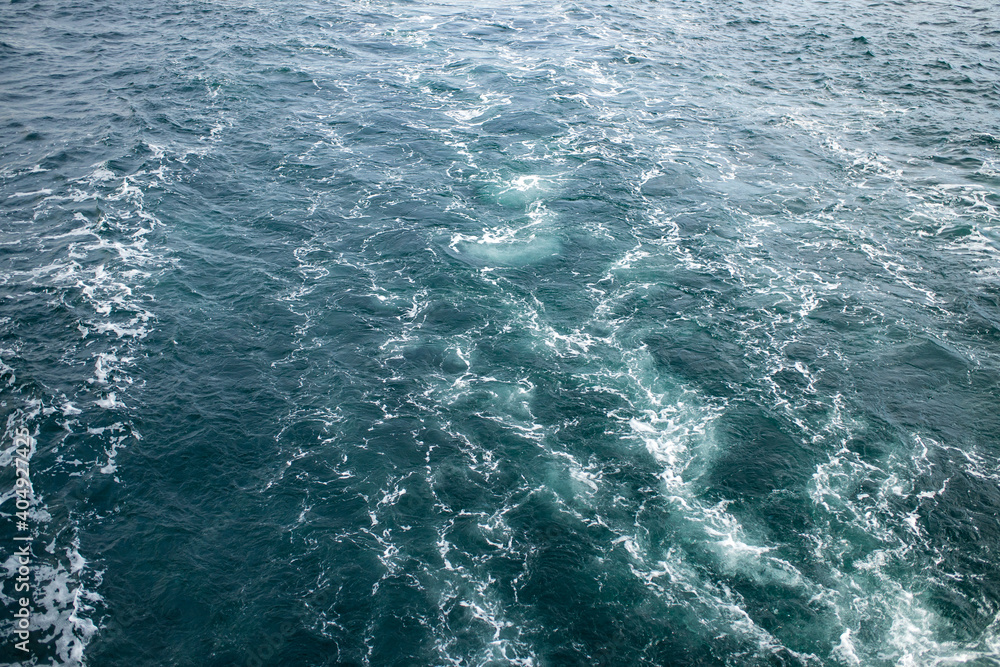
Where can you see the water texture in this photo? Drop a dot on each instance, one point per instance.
(482, 334)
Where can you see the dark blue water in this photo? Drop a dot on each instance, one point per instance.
(409, 333)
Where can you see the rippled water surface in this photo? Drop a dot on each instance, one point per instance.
(477, 334)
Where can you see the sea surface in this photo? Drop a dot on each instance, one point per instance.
(474, 334)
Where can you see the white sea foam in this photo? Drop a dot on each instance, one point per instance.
(97, 266)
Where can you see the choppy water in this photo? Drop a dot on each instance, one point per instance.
(412, 333)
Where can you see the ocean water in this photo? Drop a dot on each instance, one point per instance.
(403, 333)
